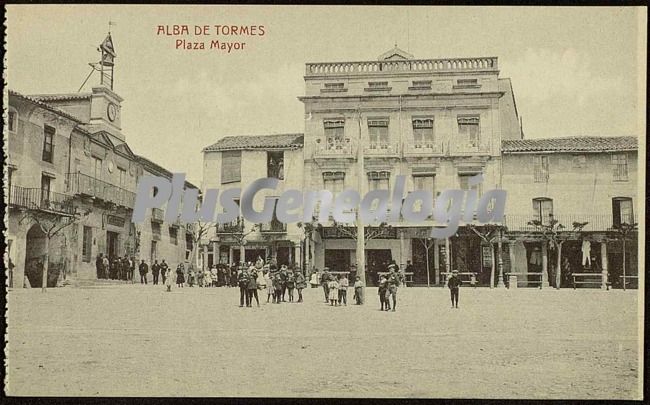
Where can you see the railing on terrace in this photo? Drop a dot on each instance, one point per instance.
(273, 227)
(235, 226)
(380, 149)
(392, 66)
(83, 184)
(342, 148)
(38, 199)
(596, 222)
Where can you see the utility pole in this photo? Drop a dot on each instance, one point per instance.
(361, 234)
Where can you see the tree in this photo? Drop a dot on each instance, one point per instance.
(308, 228)
(553, 232)
(52, 224)
(622, 231)
(428, 243)
(197, 230)
(490, 233)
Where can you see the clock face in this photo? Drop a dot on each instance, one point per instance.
(112, 111)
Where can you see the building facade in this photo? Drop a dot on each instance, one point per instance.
(68, 156)
(235, 162)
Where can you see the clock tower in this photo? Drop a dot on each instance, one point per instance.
(105, 104)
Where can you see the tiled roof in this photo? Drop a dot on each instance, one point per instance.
(58, 97)
(247, 142)
(571, 144)
(155, 168)
(43, 105)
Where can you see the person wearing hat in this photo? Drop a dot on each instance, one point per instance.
(324, 280)
(277, 286)
(284, 276)
(290, 283)
(382, 291)
(242, 280)
(252, 287)
(454, 283)
(301, 283)
(394, 281)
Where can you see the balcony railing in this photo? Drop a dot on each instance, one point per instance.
(273, 227)
(596, 222)
(423, 148)
(38, 199)
(380, 149)
(82, 184)
(335, 148)
(395, 66)
(236, 226)
(157, 215)
(468, 149)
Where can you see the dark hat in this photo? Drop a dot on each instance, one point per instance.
(454, 271)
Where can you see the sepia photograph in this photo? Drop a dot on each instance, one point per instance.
(324, 201)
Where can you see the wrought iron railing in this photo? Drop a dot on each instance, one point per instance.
(333, 148)
(236, 226)
(83, 184)
(595, 222)
(274, 226)
(39, 199)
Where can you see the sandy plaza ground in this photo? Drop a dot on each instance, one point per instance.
(135, 340)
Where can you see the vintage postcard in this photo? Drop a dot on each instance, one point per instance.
(324, 201)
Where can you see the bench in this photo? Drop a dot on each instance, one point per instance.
(408, 276)
(587, 278)
(538, 281)
(470, 275)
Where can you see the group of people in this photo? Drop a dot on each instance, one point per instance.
(115, 268)
(279, 283)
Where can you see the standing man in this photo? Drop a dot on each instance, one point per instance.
(131, 268)
(144, 269)
(106, 265)
(454, 283)
(163, 270)
(393, 283)
(242, 280)
(324, 279)
(99, 263)
(155, 270)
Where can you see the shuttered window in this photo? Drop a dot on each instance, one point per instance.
(540, 169)
(230, 166)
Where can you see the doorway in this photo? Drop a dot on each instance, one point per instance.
(34, 256)
(337, 259)
(376, 260)
(112, 244)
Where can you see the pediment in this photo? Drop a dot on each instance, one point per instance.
(395, 54)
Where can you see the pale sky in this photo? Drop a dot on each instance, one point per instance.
(575, 71)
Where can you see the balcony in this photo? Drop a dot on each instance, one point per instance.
(468, 149)
(236, 226)
(596, 223)
(460, 65)
(82, 184)
(272, 227)
(381, 149)
(333, 148)
(423, 149)
(42, 200)
(157, 215)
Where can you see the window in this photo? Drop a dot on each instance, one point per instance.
(468, 130)
(423, 132)
(378, 134)
(540, 169)
(379, 180)
(97, 167)
(622, 211)
(122, 177)
(421, 85)
(619, 161)
(11, 121)
(334, 134)
(579, 161)
(462, 82)
(377, 85)
(173, 235)
(334, 181)
(333, 87)
(46, 188)
(48, 143)
(424, 182)
(155, 230)
(463, 181)
(543, 209)
(230, 166)
(189, 245)
(86, 247)
(275, 165)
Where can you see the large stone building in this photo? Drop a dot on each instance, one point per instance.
(438, 122)
(67, 155)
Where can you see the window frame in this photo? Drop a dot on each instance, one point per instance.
(12, 121)
(48, 143)
(541, 171)
(538, 209)
(465, 123)
(236, 175)
(616, 167)
(617, 217)
(383, 124)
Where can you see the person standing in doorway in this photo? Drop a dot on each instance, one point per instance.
(454, 283)
(144, 269)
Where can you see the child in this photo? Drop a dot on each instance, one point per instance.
(199, 278)
(190, 277)
(453, 283)
(214, 276)
(333, 287)
(277, 287)
(290, 283)
(383, 289)
(207, 278)
(269, 285)
(343, 289)
(358, 290)
(168, 279)
(301, 283)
